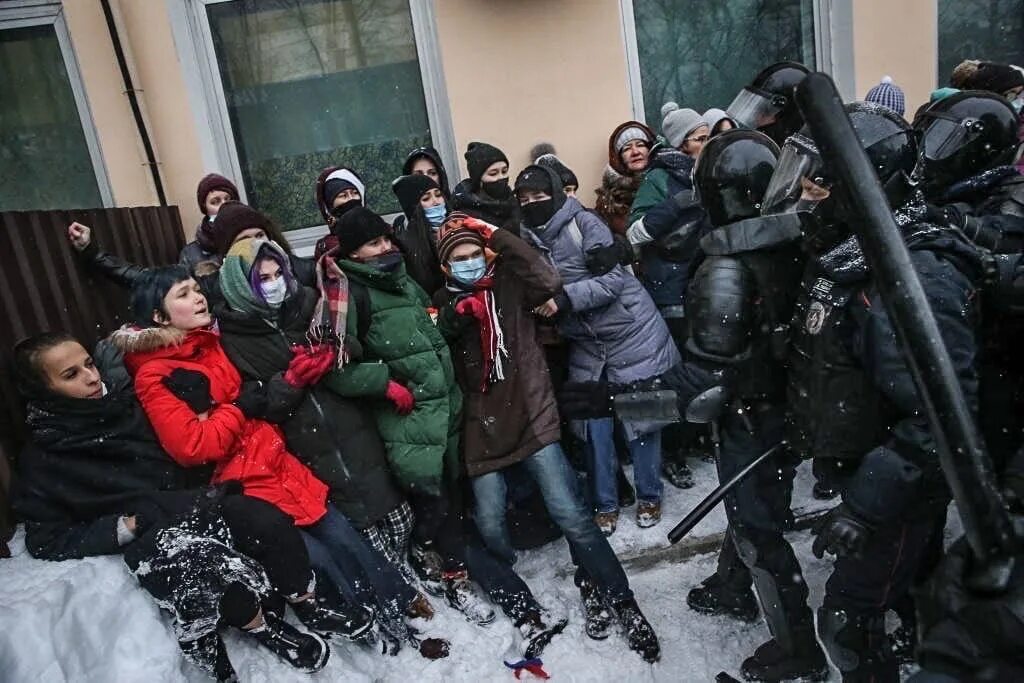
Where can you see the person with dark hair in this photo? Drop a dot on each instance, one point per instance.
(629, 148)
(94, 480)
(495, 280)
(614, 332)
(213, 190)
(427, 161)
(424, 207)
(486, 194)
(203, 414)
(338, 190)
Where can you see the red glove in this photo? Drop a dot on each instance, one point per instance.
(309, 365)
(402, 398)
(483, 227)
(472, 306)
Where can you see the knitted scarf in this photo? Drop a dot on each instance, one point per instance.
(492, 337)
(331, 312)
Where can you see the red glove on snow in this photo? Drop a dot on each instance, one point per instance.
(400, 396)
(472, 306)
(309, 365)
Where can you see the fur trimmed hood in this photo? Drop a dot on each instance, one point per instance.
(134, 339)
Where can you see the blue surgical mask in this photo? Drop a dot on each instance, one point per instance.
(469, 271)
(435, 214)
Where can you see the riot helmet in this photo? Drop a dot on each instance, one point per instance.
(804, 186)
(732, 174)
(962, 135)
(768, 104)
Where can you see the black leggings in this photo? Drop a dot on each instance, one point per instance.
(270, 537)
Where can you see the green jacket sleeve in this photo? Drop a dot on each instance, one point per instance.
(358, 379)
(653, 190)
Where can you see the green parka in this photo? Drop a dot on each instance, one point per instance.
(401, 343)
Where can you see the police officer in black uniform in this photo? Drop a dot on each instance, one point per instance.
(740, 303)
(768, 105)
(853, 404)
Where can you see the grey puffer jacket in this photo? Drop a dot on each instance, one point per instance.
(614, 328)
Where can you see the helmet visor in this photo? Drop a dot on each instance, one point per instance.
(798, 183)
(945, 136)
(754, 109)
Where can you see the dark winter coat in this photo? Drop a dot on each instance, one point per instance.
(615, 197)
(192, 254)
(418, 241)
(516, 417)
(501, 212)
(243, 449)
(665, 265)
(613, 327)
(336, 437)
(402, 343)
(88, 463)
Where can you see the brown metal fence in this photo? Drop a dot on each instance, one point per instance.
(43, 287)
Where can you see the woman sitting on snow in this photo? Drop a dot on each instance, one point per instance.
(94, 480)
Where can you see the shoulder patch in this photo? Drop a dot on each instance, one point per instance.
(816, 315)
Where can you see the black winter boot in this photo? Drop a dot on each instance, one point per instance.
(598, 617)
(429, 567)
(537, 633)
(307, 652)
(639, 633)
(348, 621)
(677, 473)
(771, 663)
(715, 596)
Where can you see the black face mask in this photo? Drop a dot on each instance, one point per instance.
(385, 262)
(536, 214)
(341, 209)
(498, 189)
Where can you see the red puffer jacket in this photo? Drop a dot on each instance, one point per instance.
(250, 451)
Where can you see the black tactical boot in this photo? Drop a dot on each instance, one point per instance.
(715, 596)
(346, 620)
(639, 633)
(305, 651)
(771, 663)
(598, 617)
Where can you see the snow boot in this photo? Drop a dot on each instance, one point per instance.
(537, 634)
(639, 633)
(348, 621)
(607, 522)
(429, 569)
(420, 608)
(461, 594)
(715, 596)
(307, 652)
(598, 617)
(677, 473)
(648, 514)
(771, 663)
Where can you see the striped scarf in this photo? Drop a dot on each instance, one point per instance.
(492, 337)
(329, 317)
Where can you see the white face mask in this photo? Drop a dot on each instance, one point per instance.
(275, 291)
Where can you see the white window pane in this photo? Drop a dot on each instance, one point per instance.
(311, 84)
(700, 53)
(989, 30)
(44, 158)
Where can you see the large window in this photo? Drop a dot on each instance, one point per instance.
(989, 30)
(306, 84)
(700, 53)
(47, 159)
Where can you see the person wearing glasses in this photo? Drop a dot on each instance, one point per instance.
(665, 224)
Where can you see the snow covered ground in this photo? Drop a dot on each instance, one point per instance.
(87, 620)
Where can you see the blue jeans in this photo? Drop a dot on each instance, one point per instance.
(558, 486)
(601, 459)
(363, 575)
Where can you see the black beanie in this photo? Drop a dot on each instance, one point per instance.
(409, 189)
(357, 227)
(232, 218)
(565, 174)
(535, 178)
(994, 77)
(480, 155)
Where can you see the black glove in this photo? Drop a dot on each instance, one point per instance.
(252, 400)
(192, 387)
(585, 400)
(564, 304)
(840, 532)
(600, 260)
(936, 214)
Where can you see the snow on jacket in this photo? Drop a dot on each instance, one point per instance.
(614, 328)
(401, 343)
(336, 437)
(518, 416)
(247, 450)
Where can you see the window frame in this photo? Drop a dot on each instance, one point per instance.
(833, 49)
(16, 14)
(194, 40)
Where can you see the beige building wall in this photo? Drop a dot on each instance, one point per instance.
(528, 71)
(898, 38)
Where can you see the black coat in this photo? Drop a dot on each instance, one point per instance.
(418, 242)
(501, 212)
(334, 436)
(90, 462)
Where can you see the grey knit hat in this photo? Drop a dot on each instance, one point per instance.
(677, 124)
